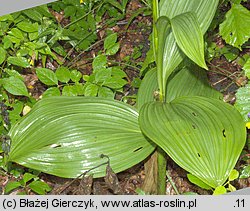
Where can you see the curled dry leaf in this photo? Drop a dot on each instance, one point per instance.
(111, 179)
(85, 186)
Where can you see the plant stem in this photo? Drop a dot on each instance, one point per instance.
(148, 5)
(85, 15)
(162, 163)
(125, 64)
(155, 167)
(172, 183)
(155, 17)
(161, 158)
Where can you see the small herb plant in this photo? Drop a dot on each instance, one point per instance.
(39, 36)
(230, 188)
(103, 82)
(29, 182)
(234, 28)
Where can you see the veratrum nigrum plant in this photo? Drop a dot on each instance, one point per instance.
(65, 136)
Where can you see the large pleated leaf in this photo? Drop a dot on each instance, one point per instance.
(189, 37)
(65, 136)
(191, 81)
(202, 135)
(187, 82)
(170, 59)
(163, 30)
(173, 55)
(204, 10)
(148, 88)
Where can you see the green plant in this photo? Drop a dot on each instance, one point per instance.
(161, 116)
(234, 174)
(37, 36)
(21, 47)
(221, 189)
(230, 26)
(234, 28)
(104, 81)
(28, 182)
(65, 136)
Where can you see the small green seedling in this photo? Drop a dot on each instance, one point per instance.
(227, 187)
(29, 182)
(221, 189)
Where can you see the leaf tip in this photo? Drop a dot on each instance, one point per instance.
(204, 65)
